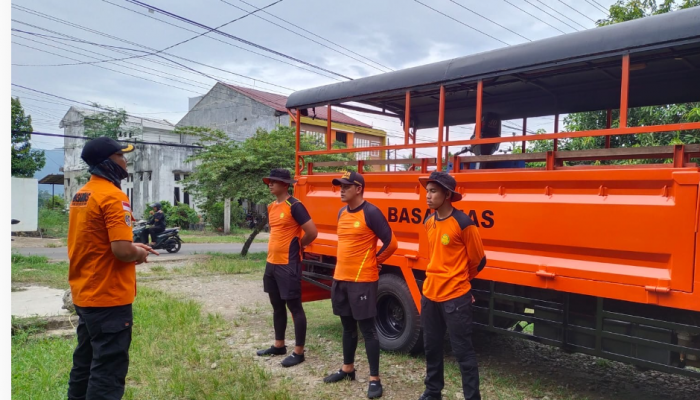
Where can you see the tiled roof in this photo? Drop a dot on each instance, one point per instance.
(278, 101)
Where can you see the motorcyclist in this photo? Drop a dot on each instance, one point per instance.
(157, 222)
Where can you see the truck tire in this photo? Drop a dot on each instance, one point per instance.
(398, 321)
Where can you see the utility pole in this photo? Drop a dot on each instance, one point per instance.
(227, 216)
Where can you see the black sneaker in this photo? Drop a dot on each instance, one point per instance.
(339, 376)
(292, 360)
(375, 390)
(273, 351)
(425, 396)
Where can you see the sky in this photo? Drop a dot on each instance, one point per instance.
(351, 38)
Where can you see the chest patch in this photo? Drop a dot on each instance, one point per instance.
(127, 219)
(445, 239)
(281, 215)
(356, 224)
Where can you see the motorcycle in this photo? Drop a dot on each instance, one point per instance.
(168, 240)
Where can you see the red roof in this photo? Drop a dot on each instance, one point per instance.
(278, 102)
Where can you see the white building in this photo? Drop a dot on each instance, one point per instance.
(155, 171)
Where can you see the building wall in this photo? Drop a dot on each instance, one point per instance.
(151, 168)
(233, 113)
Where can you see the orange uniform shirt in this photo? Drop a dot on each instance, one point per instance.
(100, 214)
(285, 221)
(358, 231)
(456, 256)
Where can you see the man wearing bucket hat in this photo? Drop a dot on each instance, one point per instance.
(356, 276)
(456, 257)
(102, 273)
(288, 218)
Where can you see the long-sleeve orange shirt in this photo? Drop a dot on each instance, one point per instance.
(358, 231)
(456, 256)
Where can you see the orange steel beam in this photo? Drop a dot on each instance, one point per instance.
(479, 92)
(298, 140)
(608, 124)
(625, 90)
(414, 142)
(407, 123)
(524, 149)
(328, 129)
(545, 136)
(441, 125)
(291, 115)
(556, 130)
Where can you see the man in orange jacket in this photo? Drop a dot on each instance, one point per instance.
(456, 257)
(356, 276)
(102, 273)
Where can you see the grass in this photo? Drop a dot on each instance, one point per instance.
(39, 271)
(217, 263)
(173, 350)
(54, 223)
(237, 235)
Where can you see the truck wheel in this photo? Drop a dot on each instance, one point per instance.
(398, 322)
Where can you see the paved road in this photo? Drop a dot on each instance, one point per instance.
(187, 249)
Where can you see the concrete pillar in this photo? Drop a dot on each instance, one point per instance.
(227, 216)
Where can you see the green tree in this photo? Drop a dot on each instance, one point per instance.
(108, 122)
(228, 169)
(626, 10)
(25, 161)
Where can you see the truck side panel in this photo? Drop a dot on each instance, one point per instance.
(628, 234)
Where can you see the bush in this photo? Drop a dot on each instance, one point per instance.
(214, 215)
(48, 201)
(180, 215)
(53, 222)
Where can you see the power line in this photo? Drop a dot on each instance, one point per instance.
(558, 12)
(89, 138)
(601, 6)
(80, 102)
(490, 20)
(579, 12)
(94, 31)
(535, 17)
(596, 7)
(308, 38)
(551, 15)
(222, 41)
(460, 22)
(317, 35)
(176, 66)
(228, 35)
(220, 26)
(100, 66)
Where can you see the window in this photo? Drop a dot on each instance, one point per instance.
(341, 137)
(176, 199)
(131, 178)
(141, 177)
(187, 198)
(374, 153)
(149, 175)
(68, 182)
(177, 177)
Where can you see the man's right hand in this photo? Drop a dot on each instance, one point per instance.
(144, 251)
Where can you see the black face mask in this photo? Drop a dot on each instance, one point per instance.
(111, 171)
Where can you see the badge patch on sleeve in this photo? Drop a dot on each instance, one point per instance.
(126, 206)
(127, 219)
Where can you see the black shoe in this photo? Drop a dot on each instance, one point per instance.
(375, 390)
(292, 360)
(339, 376)
(425, 396)
(273, 351)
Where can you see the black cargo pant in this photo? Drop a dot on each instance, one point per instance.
(456, 316)
(101, 359)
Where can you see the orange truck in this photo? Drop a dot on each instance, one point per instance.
(595, 248)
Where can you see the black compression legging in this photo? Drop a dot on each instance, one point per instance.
(369, 332)
(280, 317)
